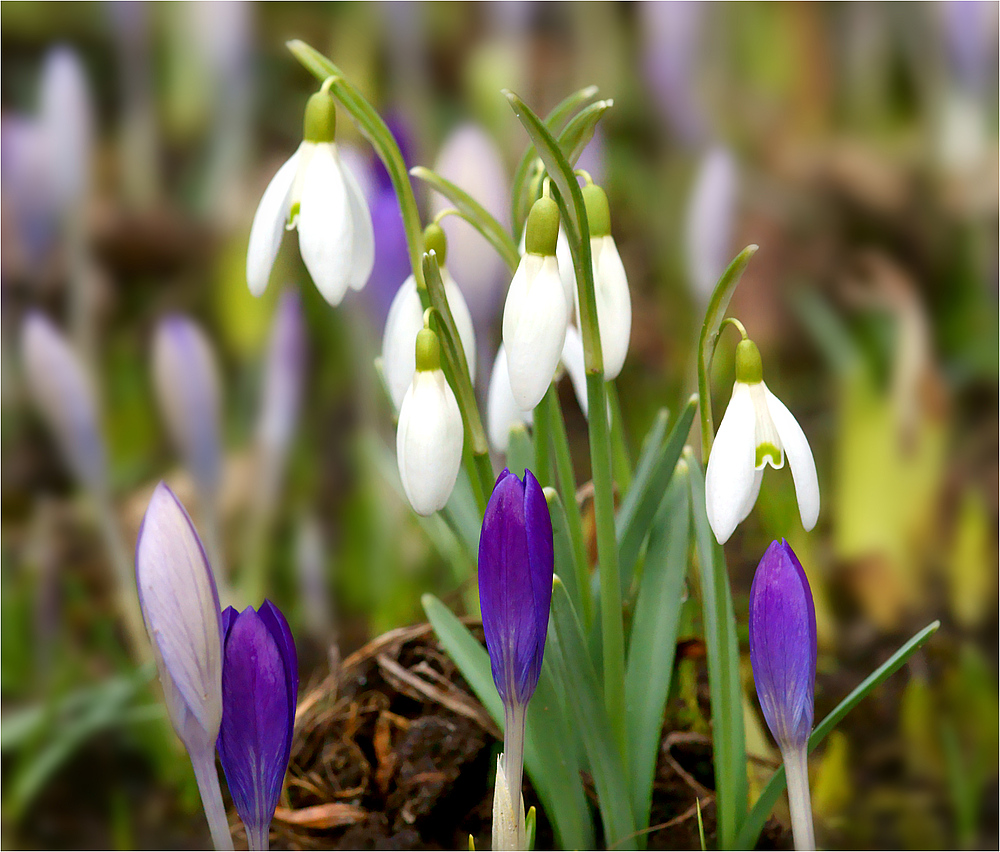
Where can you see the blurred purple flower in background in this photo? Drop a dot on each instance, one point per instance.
(671, 46)
(709, 222)
(970, 37)
(180, 605)
(783, 656)
(260, 685)
(64, 394)
(186, 379)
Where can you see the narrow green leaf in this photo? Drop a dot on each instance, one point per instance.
(549, 764)
(567, 645)
(728, 738)
(474, 213)
(566, 566)
(653, 638)
(578, 133)
(716, 313)
(621, 460)
(651, 480)
(529, 827)
(520, 450)
(762, 808)
(651, 447)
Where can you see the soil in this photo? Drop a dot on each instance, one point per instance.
(393, 751)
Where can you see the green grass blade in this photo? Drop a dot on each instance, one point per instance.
(520, 450)
(765, 804)
(722, 646)
(546, 759)
(653, 639)
(651, 479)
(567, 645)
(474, 213)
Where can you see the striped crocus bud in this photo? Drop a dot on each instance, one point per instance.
(260, 684)
(515, 591)
(783, 655)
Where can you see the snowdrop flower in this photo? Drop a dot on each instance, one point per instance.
(535, 315)
(756, 430)
(260, 684)
(502, 411)
(614, 303)
(709, 221)
(180, 605)
(783, 656)
(63, 392)
(316, 193)
(406, 318)
(186, 379)
(429, 435)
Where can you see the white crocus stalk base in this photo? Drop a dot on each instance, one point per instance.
(508, 806)
(799, 804)
(205, 773)
(757, 430)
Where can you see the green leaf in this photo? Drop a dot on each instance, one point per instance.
(474, 213)
(520, 450)
(716, 313)
(565, 564)
(568, 648)
(728, 739)
(530, 822)
(555, 777)
(621, 460)
(656, 466)
(578, 133)
(765, 804)
(521, 202)
(653, 638)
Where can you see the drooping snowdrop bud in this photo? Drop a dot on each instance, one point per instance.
(186, 379)
(709, 224)
(783, 656)
(406, 318)
(316, 193)
(614, 303)
(516, 564)
(535, 315)
(180, 605)
(573, 361)
(284, 372)
(502, 410)
(429, 435)
(260, 684)
(64, 395)
(756, 430)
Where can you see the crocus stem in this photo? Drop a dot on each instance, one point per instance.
(258, 837)
(797, 775)
(513, 757)
(543, 430)
(567, 492)
(207, 777)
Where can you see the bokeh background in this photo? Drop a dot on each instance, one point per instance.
(855, 143)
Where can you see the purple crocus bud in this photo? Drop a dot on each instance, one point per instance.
(260, 685)
(282, 393)
(64, 394)
(186, 379)
(515, 583)
(783, 656)
(180, 605)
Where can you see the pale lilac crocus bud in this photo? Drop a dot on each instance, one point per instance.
(186, 380)
(260, 683)
(180, 606)
(783, 656)
(710, 218)
(63, 393)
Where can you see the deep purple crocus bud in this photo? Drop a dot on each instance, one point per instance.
(783, 645)
(515, 583)
(260, 685)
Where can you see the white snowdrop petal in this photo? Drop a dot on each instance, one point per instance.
(572, 358)
(463, 320)
(502, 411)
(326, 231)
(269, 225)
(363, 248)
(567, 273)
(800, 459)
(399, 340)
(729, 478)
(758, 478)
(614, 304)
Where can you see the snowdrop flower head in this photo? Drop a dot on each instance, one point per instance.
(756, 430)
(535, 314)
(614, 303)
(315, 192)
(429, 435)
(406, 318)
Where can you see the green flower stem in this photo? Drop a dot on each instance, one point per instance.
(370, 123)
(710, 329)
(543, 435)
(620, 460)
(567, 492)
